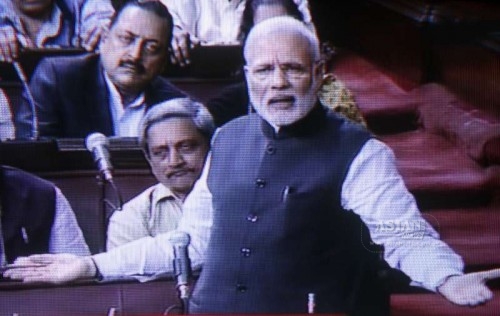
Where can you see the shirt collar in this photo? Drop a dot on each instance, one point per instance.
(49, 29)
(311, 123)
(116, 97)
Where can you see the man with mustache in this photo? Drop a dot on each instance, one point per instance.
(280, 199)
(107, 93)
(175, 138)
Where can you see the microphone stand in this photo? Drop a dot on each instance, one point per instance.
(106, 207)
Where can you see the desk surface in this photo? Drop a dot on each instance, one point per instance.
(88, 298)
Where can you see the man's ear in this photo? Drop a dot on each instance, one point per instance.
(318, 73)
(319, 68)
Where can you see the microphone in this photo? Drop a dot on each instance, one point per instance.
(98, 145)
(182, 265)
(31, 100)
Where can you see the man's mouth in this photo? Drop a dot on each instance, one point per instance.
(134, 67)
(282, 101)
(178, 173)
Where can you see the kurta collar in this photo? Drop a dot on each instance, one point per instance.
(311, 123)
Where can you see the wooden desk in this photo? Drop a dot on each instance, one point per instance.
(88, 298)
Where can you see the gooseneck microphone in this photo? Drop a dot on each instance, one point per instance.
(98, 145)
(182, 265)
(29, 96)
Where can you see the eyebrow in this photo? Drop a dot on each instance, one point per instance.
(138, 36)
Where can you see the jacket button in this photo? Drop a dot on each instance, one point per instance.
(252, 218)
(260, 183)
(241, 288)
(245, 252)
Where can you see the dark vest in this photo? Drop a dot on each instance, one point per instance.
(279, 230)
(28, 210)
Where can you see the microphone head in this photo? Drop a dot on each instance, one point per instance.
(179, 239)
(96, 139)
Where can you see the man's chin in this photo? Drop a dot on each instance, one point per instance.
(283, 117)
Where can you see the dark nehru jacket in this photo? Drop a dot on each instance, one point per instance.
(28, 207)
(279, 230)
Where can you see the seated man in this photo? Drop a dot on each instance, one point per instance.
(6, 125)
(175, 137)
(107, 93)
(51, 23)
(36, 217)
(211, 22)
(267, 218)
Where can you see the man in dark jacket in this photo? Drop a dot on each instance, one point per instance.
(106, 93)
(35, 218)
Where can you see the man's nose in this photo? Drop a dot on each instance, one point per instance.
(135, 49)
(279, 78)
(175, 158)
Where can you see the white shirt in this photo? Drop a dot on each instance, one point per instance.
(156, 210)
(373, 189)
(126, 117)
(216, 22)
(7, 130)
(66, 236)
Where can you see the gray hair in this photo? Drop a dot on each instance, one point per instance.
(283, 25)
(179, 107)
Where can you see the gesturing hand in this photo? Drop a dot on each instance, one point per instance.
(469, 289)
(51, 268)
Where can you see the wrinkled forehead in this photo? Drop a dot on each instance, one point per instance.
(279, 47)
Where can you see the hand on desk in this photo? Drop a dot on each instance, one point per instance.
(182, 43)
(469, 289)
(51, 268)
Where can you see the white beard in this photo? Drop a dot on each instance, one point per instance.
(277, 117)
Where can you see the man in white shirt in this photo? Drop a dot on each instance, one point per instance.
(264, 211)
(176, 158)
(211, 22)
(51, 24)
(6, 125)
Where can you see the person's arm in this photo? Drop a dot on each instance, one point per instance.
(9, 45)
(6, 126)
(375, 190)
(152, 256)
(149, 257)
(66, 236)
(185, 16)
(95, 19)
(303, 6)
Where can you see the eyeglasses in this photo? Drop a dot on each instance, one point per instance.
(289, 70)
(148, 47)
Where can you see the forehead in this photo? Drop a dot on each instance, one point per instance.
(173, 130)
(284, 48)
(141, 22)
